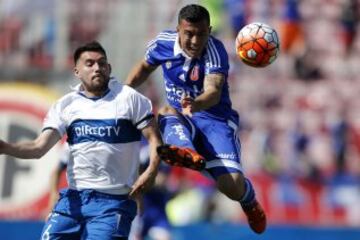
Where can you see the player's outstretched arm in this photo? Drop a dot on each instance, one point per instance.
(139, 74)
(31, 149)
(211, 96)
(147, 178)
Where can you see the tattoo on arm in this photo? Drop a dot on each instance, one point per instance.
(214, 82)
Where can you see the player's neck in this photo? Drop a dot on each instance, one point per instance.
(95, 94)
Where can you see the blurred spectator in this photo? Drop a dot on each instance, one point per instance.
(238, 13)
(10, 31)
(41, 52)
(307, 67)
(349, 19)
(291, 33)
(269, 147)
(339, 137)
(302, 163)
(215, 8)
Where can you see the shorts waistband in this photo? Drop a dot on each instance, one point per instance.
(93, 193)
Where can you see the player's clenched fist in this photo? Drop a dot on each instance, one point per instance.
(187, 105)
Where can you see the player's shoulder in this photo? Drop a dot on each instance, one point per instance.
(165, 38)
(214, 42)
(216, 51)
(119, 88)
(66, 100)
(131, 93)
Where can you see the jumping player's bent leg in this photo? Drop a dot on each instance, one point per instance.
(177, 134)
(238, 188)
(221, 148)
(174, 129)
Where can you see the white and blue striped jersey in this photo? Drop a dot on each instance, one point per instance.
(103, 135)
(183, 74)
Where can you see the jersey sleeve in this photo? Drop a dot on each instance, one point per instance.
(142, 112)
(217, 60)
(53, 119)
(158, 49)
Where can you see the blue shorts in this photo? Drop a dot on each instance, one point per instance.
(217, 140)
(90, 215)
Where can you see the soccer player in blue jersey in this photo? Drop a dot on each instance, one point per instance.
(104, 121)
(199, 123)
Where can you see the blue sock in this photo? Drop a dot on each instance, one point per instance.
(249, 196)
(174, 132)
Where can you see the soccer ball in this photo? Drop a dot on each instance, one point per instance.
(257, 44)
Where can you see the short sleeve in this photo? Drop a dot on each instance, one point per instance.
(159, 49)
(142, 112)
(53, 119)
(217, 60)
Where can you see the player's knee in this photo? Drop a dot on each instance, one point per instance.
(167, 110)
(232, 185)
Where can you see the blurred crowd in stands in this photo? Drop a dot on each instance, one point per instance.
(300, 118)
(28, 41)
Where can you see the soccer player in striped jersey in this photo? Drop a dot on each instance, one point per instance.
(199, 123)
(103, 121)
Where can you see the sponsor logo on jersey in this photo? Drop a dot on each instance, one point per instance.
(104, 130)
(227, 156)
(174, 93)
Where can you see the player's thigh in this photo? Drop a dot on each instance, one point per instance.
(219, 139)
(115, 226)
(61, 227)
(219, 143)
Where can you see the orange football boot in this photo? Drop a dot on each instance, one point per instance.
(256, 217)
(182, 157)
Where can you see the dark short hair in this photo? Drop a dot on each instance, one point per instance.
(194, 13)
(93, 46)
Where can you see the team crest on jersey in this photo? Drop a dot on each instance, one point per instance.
(168, 64)
(194, 75)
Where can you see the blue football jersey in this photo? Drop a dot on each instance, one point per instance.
(183, 74)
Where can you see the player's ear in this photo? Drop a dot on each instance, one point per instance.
(177, 28)
(110, 68)
(210, 28)
(76, 71)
